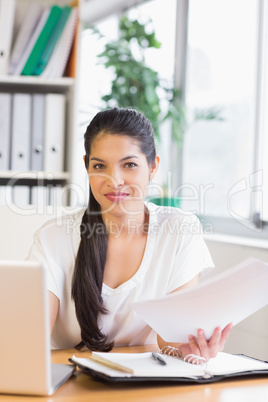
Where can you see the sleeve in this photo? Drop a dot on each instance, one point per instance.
(42, 250)
(192, 256)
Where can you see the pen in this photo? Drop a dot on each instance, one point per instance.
(159, 359)
(110, 364)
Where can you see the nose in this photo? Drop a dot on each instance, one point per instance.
(115, 178)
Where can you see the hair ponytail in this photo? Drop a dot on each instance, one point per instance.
(88, 278)
(91, 256)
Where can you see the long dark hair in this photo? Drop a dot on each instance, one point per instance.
(91, 255)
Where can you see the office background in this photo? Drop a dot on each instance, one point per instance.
(216, 54)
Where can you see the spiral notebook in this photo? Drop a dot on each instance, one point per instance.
(115, 367)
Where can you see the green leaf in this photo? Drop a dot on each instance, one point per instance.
(138, 86)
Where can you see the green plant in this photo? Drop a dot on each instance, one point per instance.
(137, 85)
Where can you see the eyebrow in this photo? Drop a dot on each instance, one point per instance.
(121, 160)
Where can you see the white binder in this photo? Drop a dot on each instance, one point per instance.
(37, 143)
(7, 14)
(2, 195)
(24, 34)
(21, 196)
(5, 130)
(39, 197)
(54, 132)
(5, 195)
(21, 132)
(58, 196)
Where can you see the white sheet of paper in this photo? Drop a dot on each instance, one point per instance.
(228, 297)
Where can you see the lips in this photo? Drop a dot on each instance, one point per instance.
(116, 196)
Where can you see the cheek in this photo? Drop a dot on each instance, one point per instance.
(144, 177)
(141, 181)
(95, 183)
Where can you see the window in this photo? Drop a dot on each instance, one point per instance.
(224, 161)
(223, 173)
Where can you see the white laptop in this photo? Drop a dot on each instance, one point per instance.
(24, 335)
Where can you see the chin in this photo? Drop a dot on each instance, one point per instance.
(124, 208)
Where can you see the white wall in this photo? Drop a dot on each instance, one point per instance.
(251, 335)
(18, 226)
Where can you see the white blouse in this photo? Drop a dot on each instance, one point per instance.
(175, 253)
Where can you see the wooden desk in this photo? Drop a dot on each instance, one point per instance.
(81, 387)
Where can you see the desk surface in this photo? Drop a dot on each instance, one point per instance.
(82, 387)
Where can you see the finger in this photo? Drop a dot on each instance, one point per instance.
(214, 343)
(203, 344)
(193, 345)
(225, 334)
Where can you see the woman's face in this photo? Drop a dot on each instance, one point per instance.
(119, 174)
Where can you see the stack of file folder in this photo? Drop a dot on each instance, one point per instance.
(32, 123)
(32, 132)
(32, 136)
(43, 43)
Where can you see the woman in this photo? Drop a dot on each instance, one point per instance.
(125, 250)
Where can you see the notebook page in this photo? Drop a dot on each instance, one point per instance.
(143, 365)
(226, 363)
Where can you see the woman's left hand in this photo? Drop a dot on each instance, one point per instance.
(199, 346)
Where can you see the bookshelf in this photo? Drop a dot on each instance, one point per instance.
(7, 82)
(66, 86)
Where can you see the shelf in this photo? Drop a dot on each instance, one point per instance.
(29, 178)
(15, 83)
(66, 86)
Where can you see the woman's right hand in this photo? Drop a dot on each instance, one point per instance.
(201, 347)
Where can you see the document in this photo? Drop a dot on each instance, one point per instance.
(228, 297)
